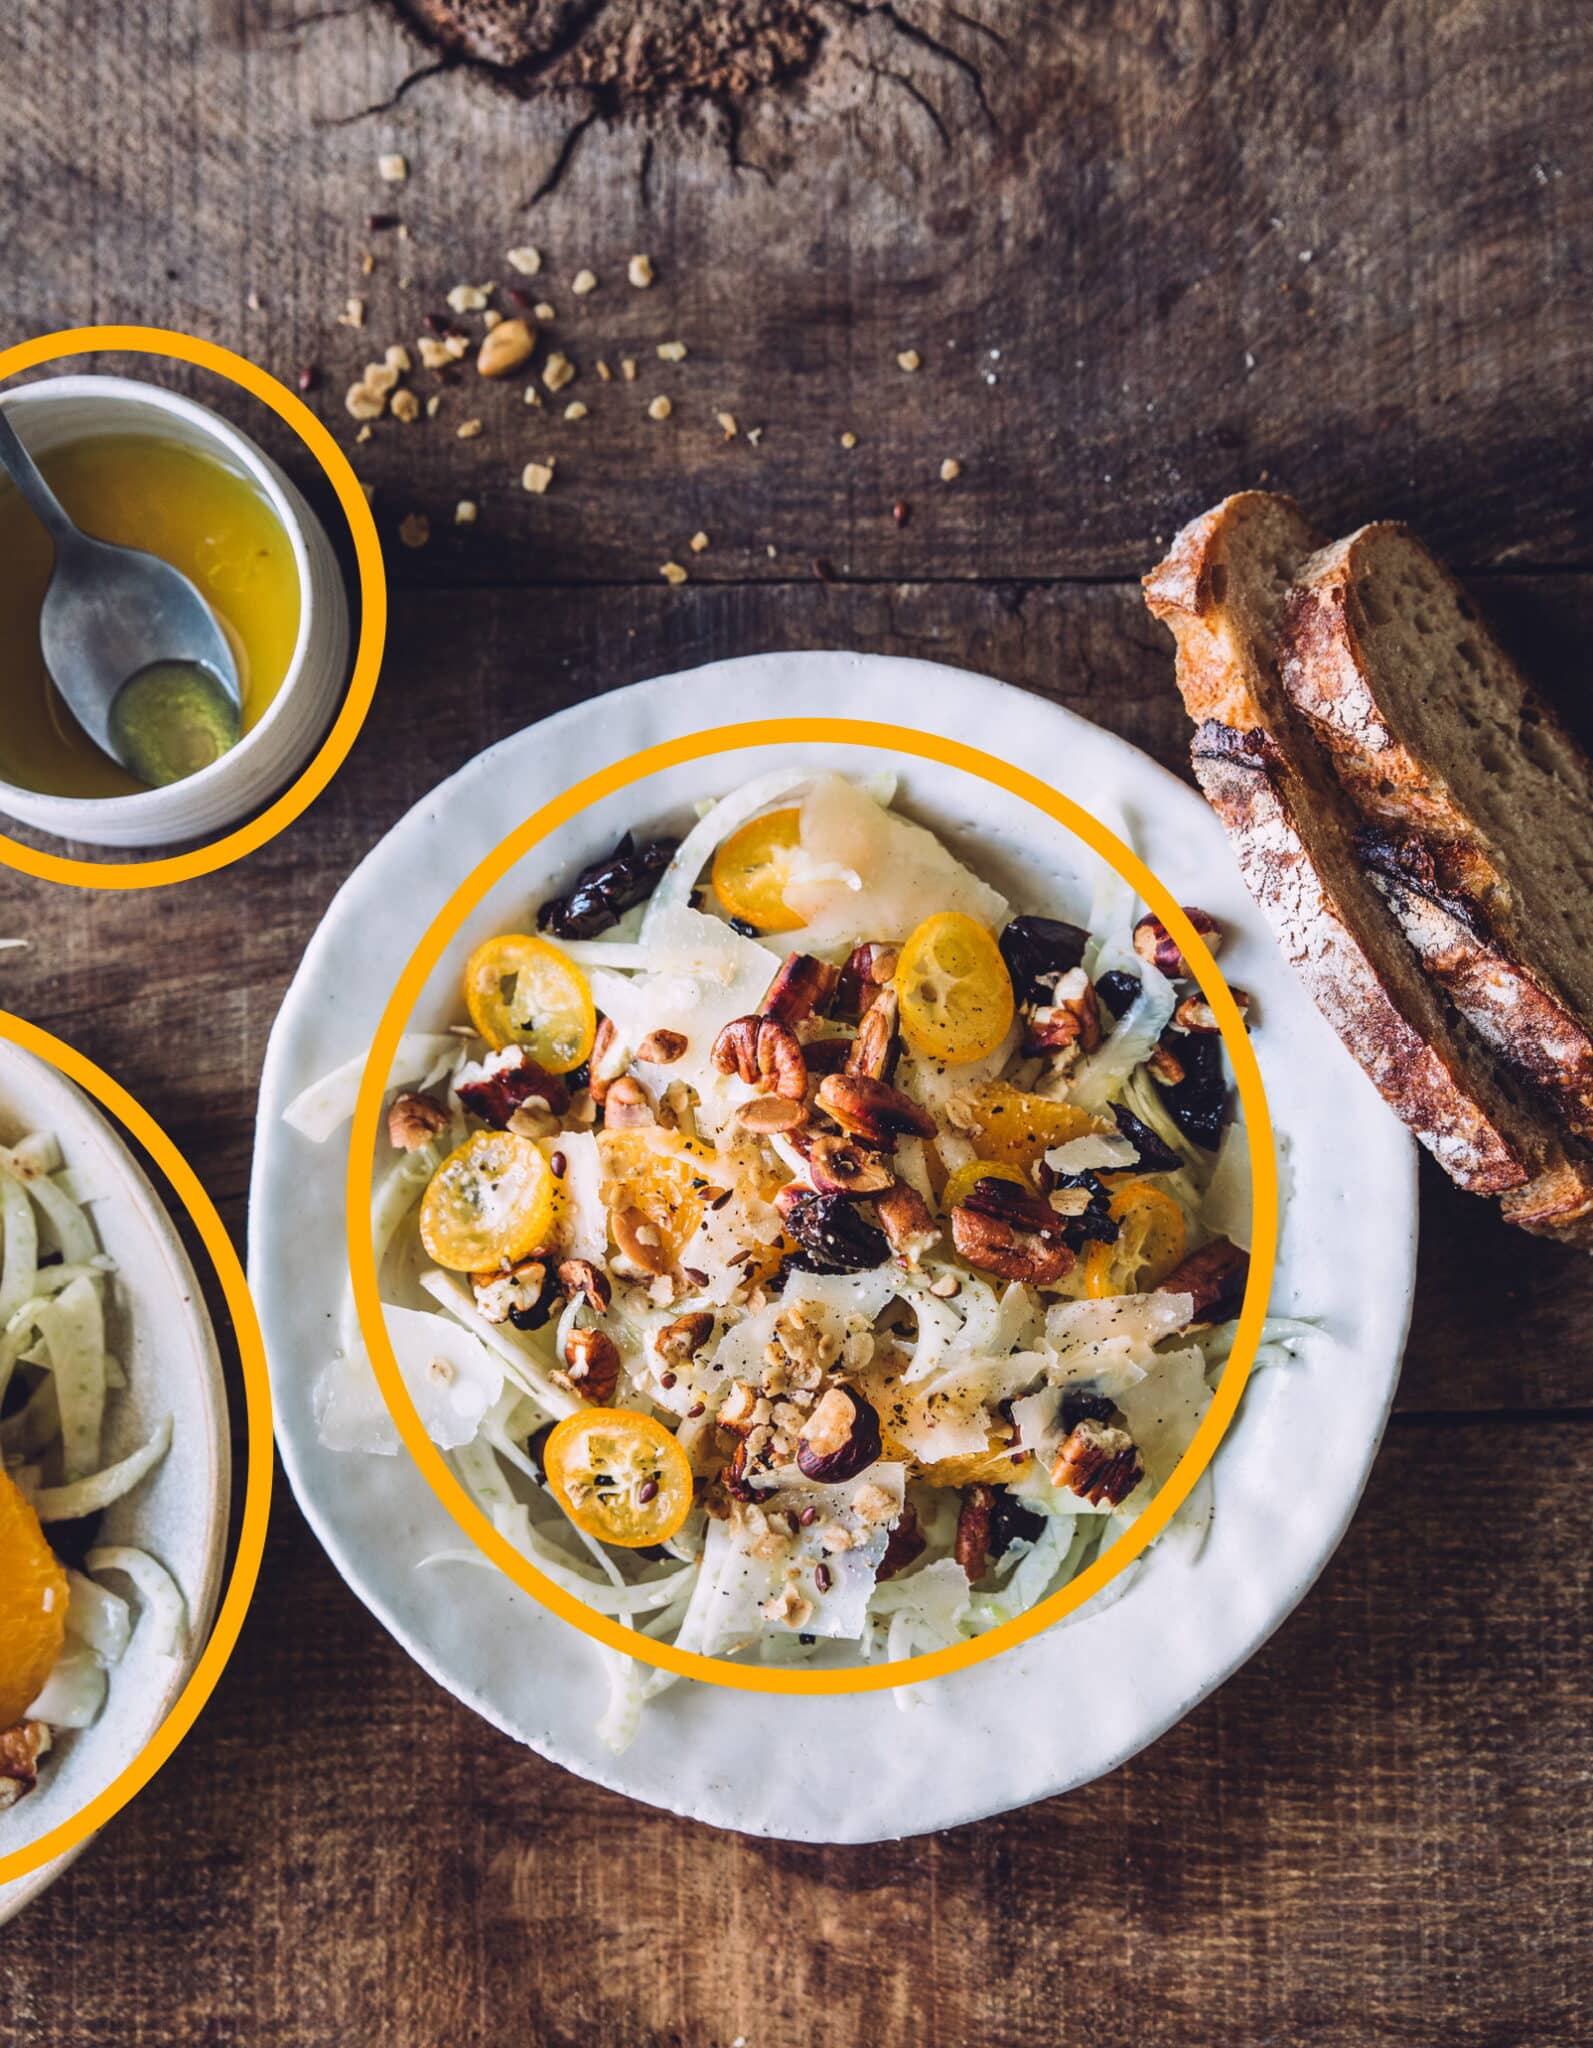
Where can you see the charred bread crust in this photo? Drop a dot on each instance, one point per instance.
(1248, 783)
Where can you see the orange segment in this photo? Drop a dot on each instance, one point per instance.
(1004, 1122)
(753, 866)
(1150, 1242)
(954, 989)
(664, 1175)
(33, 1597)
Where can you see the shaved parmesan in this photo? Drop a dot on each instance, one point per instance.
(451, 1376)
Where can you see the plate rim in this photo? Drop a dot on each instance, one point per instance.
(1140, 764)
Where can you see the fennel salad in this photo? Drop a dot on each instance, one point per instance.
(63, 1630)
(798, 1249)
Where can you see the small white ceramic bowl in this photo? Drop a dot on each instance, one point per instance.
(57, 410)
(161, 1330)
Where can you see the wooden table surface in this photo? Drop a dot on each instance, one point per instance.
(1146, 253)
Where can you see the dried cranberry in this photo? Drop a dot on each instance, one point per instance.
(1117, 988)
(1154, 1156)
(607, 889)
(1198, 1102)
(1010, 1522)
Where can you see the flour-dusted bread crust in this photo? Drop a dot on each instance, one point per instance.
(1223, 590)
(1483, 805)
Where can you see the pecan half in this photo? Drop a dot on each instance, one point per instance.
(904, 1217)
(592, 1364)
(1210, 1275)
(680, 1341)
(1165, 1066)
(661, 1048)
(874, 1049)
(1194, 1013)
(870, 968)
(1098, 1462)
(1019, 1206)
(972, 1546)
(872, 1110)
(1155, 943)
(802, 986)
(1070, 1023)
(414, 1120)
(764, 1053)
(625, 1105)
(841, 1166)
(580, 1276)
(509, 1080)
(21, 1748)
(993, 1246)
(906, 1545)
(840, 1439)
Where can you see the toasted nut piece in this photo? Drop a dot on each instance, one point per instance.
(1165, 1065)
(1194, 1013)
(840, 1166)
(905, 1219)
(626, 1107)
(1010, 1253)
(661, 1048)
(682, 1339)
(1209, 1275)
(507, 346)
(639, 1240)
(21, 1748)
(872, 1110)
(768, 1115)
(972, 1546)
(840, 1439)
(906, 1545)
(870, 968)
(803, 985)
(414, 1120)
(580, 1276)
(514, 1296)
(765, 1053)
(1071, 1022)
(874, 1048)
(1155, 943)
(827, 1055)
(1098, 1462)
(592, 1360)
(738, 1408)
(1019, 1206)
(608, 1059)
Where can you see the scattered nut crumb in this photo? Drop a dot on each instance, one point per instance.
(353, 313)
(575, 410)
(640, 272)
(728, 421)
(406, 407)
(909, 359)
(380, 377)
(604, 372)
(950, 470)
(397, 358)
(393, 169)
(456, 346)
(364, 434)
(849, 439)
(364, 403)
(253, 302)
(433, 354)
(491, 318)
(672, 572)
(467, 298)
(628, 369)
(558, 371)
(467, 430)
(415, 530)
(525, 259)
(699, 541)
(672, 351)
(536, 476)
(367, 265)
(660, 408)
(434, 405)
(465, 512)
(544, 311)
(532, 395)
(754, 435)
(583, 282)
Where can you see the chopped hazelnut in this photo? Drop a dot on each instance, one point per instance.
(467, 298)
(640, 272)
(849, 439)
(909, 359)
(660, 408)
(467, 430)
(536, 476)
(392, 169)
(672, 572)
(584, 281)
(727, 420)
(353, 313)
(406, 406)
(950, 470)
(525, 259)
(672, 351)
(465, 512)
(699, 541)
(628, 369)
(558, 371)
(575, 410)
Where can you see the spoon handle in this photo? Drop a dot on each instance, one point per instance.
(24, 473)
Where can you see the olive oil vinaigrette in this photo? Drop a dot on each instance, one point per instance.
(193, 512)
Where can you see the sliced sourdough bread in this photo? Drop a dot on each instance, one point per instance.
(1478, 806)
(1223, 590)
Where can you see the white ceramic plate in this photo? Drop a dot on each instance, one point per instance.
(161, 1330)
(1053, 1713)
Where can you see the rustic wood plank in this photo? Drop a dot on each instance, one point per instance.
(1377, 1831)
(177, 994)
(1146, 254)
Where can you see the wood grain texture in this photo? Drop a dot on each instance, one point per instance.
(1218, 242)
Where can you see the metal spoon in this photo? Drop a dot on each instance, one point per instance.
(113, 615)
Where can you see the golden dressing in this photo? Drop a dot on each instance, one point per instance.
(193, 512)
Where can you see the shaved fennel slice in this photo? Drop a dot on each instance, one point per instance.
(74, 1693)
(327, 1104)
(21, 1241)
(98, 1617)
(68, 1225)
(728, 815)
(1225, 1207)
(73, 1326)
(1102, 1075)
(158, 1593)
(88, 1496)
